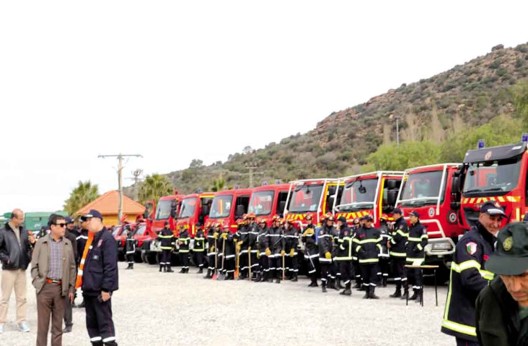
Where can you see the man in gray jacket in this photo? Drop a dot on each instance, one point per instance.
(53, 271)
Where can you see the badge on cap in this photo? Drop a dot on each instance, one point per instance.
(507, 244)
(471, 248)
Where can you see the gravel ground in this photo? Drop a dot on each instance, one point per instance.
(153, 308)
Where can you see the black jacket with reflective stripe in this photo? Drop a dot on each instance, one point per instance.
(399, 238)
(416, 242)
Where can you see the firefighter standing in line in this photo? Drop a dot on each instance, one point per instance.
(416, 255)
(384, 257)
(311, 252)
(358, 225)
(166, 238)
(344, 255)
(130, 247)
(275, 249)
(199, 248)
(81, 241)
(183, 242)
(253, 232)
(368, 248)
(242, 240)
(212, 236)
(229, 253)
(291, 239)
(263, 272)
(398, 253)
(325, 242)
(334, 274)
(469, 275)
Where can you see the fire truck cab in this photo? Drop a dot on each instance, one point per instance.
(167, 206)
(371, 193)
(194, 209)
(228, 206)
(428, 190)
(269, 200)
(311, 196)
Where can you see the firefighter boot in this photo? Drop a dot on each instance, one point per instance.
(208, 275)
(110, 343)
(161, 267)
(405, 294)
(314, 281)
(415, 294)
(384, 281)
(323, 285)
(97, 343)
(278, 280)
(338, 284)
(294, 277)
(169, 269)
(358, 282)
(130, 266)
(200, 271)
(397, 293)
(347, 291)
(372, 295)
(367, 292)
(331, 284)
(419, 296)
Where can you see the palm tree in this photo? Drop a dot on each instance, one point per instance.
(83, 194)
(218, 184)
(154, 186)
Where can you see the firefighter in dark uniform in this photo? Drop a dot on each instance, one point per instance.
(275, 250)
(325, 243)
(166, 238)
(212, 236)
(356, 226)
(344, 255)
(81, 241)
(228, 240)
(99, 279)
(416, 255)
(130, 247)
(199, 248)
(253, 232)
(220, 242)
(469, 275)
(384, 257)
(398, 252)
(311, 252)
(368, 248)
(291, 240)
(263, 271)
(333, 273)
(242, 239)
(183, 241)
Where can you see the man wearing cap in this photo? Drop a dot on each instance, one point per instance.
(263, 271)
(502, 307)
(344, 255)
(98, 277)
(242, 242)
(416, 243)
(166, 238)
(368, 247)
(398, 252)
(383, 268)
(81, 241)
(275, 249)
(357, 224)
(468, 274)
(70, 234)
(212, 237)
(183, 241)
(311, 253)
(325, 243)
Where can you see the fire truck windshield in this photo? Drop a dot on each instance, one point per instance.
(421, 189)
(163, 210)
(261, 203)
(497, 177)
(305, 198)
(187, 208)
(358, 194)
(221, 206)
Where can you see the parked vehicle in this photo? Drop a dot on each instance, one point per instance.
(228, 206)
(194, 209)
(269, 200)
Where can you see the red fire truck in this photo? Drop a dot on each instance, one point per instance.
(166, 206)
(494, 174)
(269, 200)
(228, 206)
(371, 193)
(428, 190)
(311, 196)
(193, 210)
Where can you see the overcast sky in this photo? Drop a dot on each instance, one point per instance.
(178, 80)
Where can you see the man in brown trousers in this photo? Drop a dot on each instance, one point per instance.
(53, 272)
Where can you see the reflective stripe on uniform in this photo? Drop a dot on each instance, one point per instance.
(369, 260)
(458, 327)
(397, 254)
(459, 268)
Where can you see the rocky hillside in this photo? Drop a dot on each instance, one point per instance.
(467, 95)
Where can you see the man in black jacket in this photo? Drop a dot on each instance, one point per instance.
(99, 281)
(15, 254)
(502, 307)
(398, 252)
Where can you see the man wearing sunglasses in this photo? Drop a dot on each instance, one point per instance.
(53, 272)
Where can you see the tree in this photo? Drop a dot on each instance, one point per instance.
(406, 155)
(196, 163)
(154, 186)
(83, 194)
(218, 184)
(520, 101)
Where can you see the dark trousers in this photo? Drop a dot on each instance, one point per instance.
(211, 260)
(398, 268)
(369, 274)
(292, 264)
(463, 342)
(415, 278)
(130, 258)
(347, 271)
(199, 258)
(275, 267)
(243, 263)
(325, 267)
(165, 258)
(99, 321)
(254, 264)
(68, 312)
(264, 264)
(229, 265)
(333, 271)
(184, 260)
(50, 303)
(357, 270)
(383, 268)
(313, 263)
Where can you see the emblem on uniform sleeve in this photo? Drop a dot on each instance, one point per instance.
(507, 244)
(471, 248)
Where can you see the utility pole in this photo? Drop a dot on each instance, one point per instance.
(397, 118)
(120, 179)
(137, 173)
(251, 165)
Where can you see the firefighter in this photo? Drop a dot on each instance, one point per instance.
(333, 272)
(469, 274)
(130, 247)
(242, 241)
(183, 242)
(398, 253)
(263, 271)
(228, 249)
(416, 255)
(253, 232)
(325, 242)
(384, 257)
(291, 239)
(344, 255)
(199, 248)
(368, 249)
(311, 252)
(356, 225)
(275, 250)
(212, 236)
(220, 242)
(166, 238)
